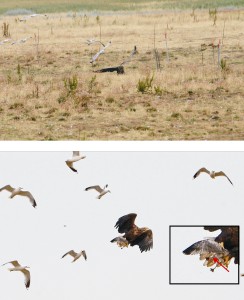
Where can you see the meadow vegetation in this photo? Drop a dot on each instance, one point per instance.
(49, 90)
(54, 6)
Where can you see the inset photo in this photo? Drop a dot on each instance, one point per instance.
(204, 254)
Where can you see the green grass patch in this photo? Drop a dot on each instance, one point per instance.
(52, 6)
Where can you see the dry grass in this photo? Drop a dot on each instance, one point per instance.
(194, 99)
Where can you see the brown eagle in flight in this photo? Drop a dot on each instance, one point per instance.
(224, 247)
(133, 235)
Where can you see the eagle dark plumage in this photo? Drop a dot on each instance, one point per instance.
(119, 70)
(229, 236)
(133, 235)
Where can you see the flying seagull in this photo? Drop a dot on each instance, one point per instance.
(18, 192)
(76, 255)
(76, 156)
(18, 267)
(92, 41)
(143, 237)
(101, 191)
(212, 174)
(100, 52)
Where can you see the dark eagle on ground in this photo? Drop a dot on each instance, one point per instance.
(119, 69)
(224, 247)
(133, 235)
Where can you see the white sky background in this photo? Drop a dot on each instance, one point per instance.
(158, 186)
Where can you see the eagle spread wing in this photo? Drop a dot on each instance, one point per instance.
(126, 223)
(144, 240)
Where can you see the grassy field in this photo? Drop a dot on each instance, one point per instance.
(54, 6)
(49, 90)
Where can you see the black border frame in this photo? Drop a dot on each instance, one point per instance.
(201, 283)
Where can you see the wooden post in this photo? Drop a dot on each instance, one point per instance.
(219, 54)
(166, 42)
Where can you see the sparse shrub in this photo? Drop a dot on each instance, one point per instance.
(35, 92)
(158, 90)
(93, 85)
(176, 115)
(86, 20)
(109, 100)
(213, 15)
(151, 109)
(65, 114)
(5, 29)
(9, 78)
(142, 128)
(223, 65)
(19, 72)
(71, 84)
(16, 105)
(98, 19)
(145, 85)
(82, 101)
(61, 99)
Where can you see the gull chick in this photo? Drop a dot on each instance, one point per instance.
(18, 267)
(18, 191)
(76, 156)
(76, 255)
(101, 191)
(212, 174)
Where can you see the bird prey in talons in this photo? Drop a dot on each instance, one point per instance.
(18, 192)
(76, 157)
(212, 174)
(121, 242)
(101, 191)
(18, 267)
(224, 247)
(133, 235)
(208, 250)
(76, 255)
